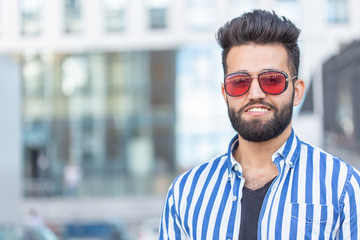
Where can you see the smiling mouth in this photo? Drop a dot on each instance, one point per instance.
(257, 109)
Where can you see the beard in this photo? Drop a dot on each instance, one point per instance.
(257, 130)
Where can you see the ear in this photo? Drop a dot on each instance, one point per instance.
(299, 89)
(224, 92)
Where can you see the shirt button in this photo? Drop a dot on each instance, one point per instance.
(236, 167)
(234, 198)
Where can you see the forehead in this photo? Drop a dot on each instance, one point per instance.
(255, 58)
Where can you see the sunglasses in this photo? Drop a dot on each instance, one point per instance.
(271, 82)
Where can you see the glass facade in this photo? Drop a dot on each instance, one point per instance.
(112, 114)
(202, 127)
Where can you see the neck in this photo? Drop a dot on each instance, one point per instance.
(256, 159)
(258, 154)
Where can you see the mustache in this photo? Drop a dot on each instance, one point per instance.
(257, 102)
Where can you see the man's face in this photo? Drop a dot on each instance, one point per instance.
(258, 116)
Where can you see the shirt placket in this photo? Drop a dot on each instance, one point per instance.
(237, 182)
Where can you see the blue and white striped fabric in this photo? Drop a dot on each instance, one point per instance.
(315, 196)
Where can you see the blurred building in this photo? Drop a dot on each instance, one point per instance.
(130, 89)
(341, 80)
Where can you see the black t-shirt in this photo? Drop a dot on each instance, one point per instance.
(250, 210)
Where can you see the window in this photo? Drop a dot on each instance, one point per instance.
(30, 17)
(157, 12)
(73, 22)
(157, 18)
(338, 11)
(114, 15)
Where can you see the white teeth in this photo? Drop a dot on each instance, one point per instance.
(257, 110)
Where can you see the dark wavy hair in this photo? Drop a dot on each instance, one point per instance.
(261, 27)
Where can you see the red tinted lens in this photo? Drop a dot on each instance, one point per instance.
(237, 84)
(272, 82)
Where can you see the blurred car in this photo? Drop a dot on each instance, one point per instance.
(149, 229)
(26, 233)
(99, 230)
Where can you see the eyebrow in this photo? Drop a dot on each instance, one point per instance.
(262, 70)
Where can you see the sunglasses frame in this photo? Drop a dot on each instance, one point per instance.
(287, 79)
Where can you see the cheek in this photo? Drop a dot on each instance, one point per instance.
(235, 103)
(287, 102)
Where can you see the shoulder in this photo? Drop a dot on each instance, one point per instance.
(318, 154)
(336, 168)
(195, 177)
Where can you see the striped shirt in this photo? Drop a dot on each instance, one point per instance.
(315, 196)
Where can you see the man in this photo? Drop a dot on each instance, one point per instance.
(269, 184)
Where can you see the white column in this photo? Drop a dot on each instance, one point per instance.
(53, 22)
(10, 143)
(10, 16)
(93, 20)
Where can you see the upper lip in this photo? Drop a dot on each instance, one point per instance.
(256, 106)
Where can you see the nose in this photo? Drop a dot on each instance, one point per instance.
(255, 91)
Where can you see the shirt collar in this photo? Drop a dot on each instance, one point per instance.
(289, 152)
